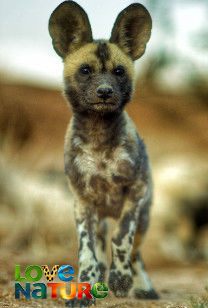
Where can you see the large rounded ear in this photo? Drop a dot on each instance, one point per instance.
(69, 28)
(132, 30)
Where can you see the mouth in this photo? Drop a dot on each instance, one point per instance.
(104, 103)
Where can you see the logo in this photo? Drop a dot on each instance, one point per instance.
(65, 288)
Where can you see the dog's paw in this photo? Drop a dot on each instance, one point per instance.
(119, 283)
(146, 294)
(80, 303)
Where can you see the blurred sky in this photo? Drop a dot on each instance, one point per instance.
(26, 52)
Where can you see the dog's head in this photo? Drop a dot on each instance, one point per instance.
(98, 75)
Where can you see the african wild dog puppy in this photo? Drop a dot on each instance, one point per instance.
(105, 159)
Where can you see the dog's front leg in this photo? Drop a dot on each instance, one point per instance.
(86, 221)
(121, 274)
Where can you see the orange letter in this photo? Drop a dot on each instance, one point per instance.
(54, 287)
(73, 292)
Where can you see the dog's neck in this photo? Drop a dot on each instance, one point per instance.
(99, 129)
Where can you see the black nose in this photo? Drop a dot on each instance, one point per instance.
(104, 93)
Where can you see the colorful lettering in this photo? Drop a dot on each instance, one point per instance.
(65, 270)
(86, 291)
(19, 288)
(42, 290)
(101, 288)
(30, 269)
(72, 294)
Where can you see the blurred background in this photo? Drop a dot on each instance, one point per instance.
(169, 108)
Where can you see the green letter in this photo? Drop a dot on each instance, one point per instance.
(17, 274)
(28, 272)
(99, 287)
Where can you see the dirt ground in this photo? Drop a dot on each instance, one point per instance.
(176, 286)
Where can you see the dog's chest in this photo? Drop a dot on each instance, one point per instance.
(104, 163)
(104, 175)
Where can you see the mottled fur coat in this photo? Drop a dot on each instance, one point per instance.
(105, 159)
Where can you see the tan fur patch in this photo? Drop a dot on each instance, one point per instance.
(85, 54)
(118, 57)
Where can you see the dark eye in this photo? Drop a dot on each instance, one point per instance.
(119, 71)
(85, 70)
